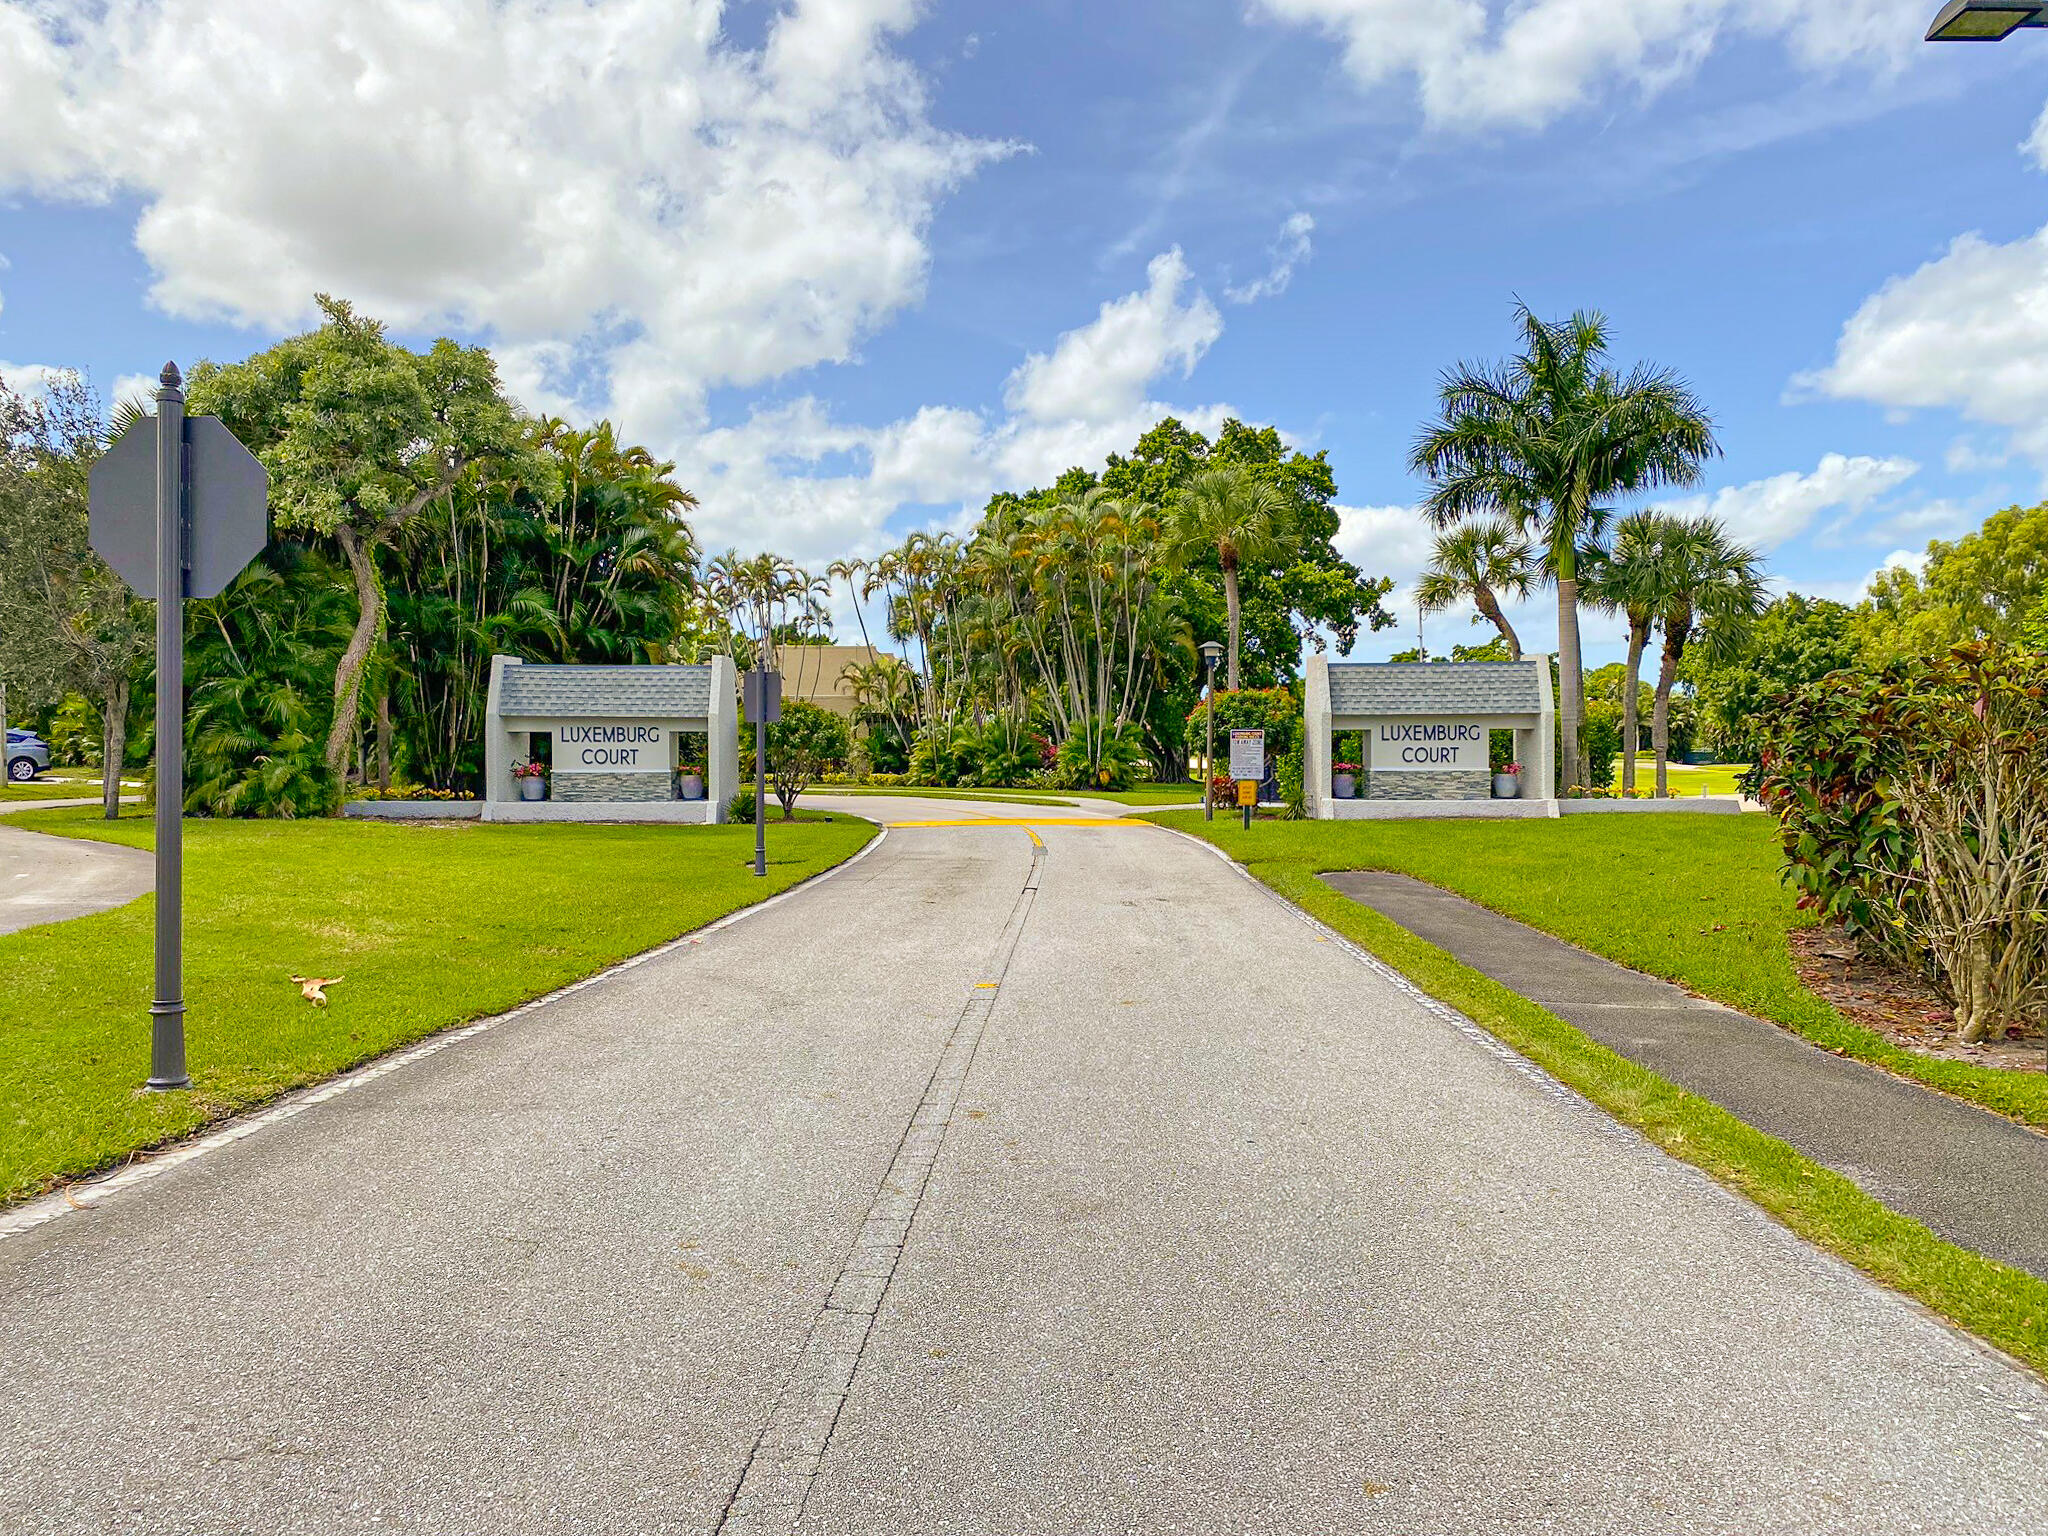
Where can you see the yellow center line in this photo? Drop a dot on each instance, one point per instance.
(1010, 821)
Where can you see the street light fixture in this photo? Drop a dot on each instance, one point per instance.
(1212, 652)
(1985, 21)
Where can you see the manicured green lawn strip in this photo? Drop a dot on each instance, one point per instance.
(430, 924)
(2004, 1306)
(1693, 899)
(1150, 794)
(1684, 779)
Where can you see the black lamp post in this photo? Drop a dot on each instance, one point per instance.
(1985, 21)
(1212, 653)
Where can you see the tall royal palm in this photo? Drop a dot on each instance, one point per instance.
(1548, 440)
(1245, 521)
(1482, 561)
(1713, 590)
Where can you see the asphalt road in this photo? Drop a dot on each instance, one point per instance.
(45, 879)
(1041, 1179)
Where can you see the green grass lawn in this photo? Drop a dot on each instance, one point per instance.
(1655, 899)
(429, 924)
(1150, 794)
(1694, 899)
(1684, 778)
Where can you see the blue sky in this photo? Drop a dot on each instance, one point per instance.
(856, 263)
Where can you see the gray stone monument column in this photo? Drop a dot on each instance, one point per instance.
(722, 739)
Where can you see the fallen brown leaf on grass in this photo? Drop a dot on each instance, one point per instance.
(314, 988)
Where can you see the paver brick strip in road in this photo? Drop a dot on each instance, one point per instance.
(776, 1481)
(1972, 1176)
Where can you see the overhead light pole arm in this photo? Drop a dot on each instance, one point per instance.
(1985, 21)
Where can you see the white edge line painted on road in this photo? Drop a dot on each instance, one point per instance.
(87, 1194)
(1491, 1044)
(1604, 1122)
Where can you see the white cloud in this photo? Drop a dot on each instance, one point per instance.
(139, 387)
(1480, 62)
(1385, 541)
(818, 488)
(1965, 457)
(604, 185)
(1766, 513)
(1967, 331)
(1289, 251)
(2037, 142)
(33, 380)
(1100, 371)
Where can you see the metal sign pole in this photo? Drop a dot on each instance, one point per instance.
(761, 764)
(1209, 759)
(167, 1012)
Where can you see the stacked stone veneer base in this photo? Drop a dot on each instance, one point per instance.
(1386, 784)
(576, 788)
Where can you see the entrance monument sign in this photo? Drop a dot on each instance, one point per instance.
(1428, 746)
(615, 740)
(1427, 730)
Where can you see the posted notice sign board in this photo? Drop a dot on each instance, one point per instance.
(1428, 746)
(1248, 755)
(610, 746)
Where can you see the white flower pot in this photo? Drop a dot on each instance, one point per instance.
(691, 785)
(533, 789)
(1343, 786)
(1506, 786)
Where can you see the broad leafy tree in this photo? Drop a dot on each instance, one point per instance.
(1549, 439)
(1796, 641)
(67, 622)
(361, 436)
(1986, 585)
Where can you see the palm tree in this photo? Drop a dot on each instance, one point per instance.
(1630, 580)
(1243, 519)
(1548, 440)
(1483, 561)
(1712, 588)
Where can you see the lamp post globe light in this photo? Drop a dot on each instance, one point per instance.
(1212, 652)
(1985, 21)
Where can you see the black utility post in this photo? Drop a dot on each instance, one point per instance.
(761, 763)
(167, 1011)
(178, 508)
(762, 697)
(1211, 653)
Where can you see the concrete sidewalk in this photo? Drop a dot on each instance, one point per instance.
(1972, 1176)
(46, 879)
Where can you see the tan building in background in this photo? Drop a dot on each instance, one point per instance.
(817, 673)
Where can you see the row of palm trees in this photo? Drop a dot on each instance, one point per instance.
(1526, 463)
(1058, 615)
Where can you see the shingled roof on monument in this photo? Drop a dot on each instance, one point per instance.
(1436, 688)
(605, 693)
